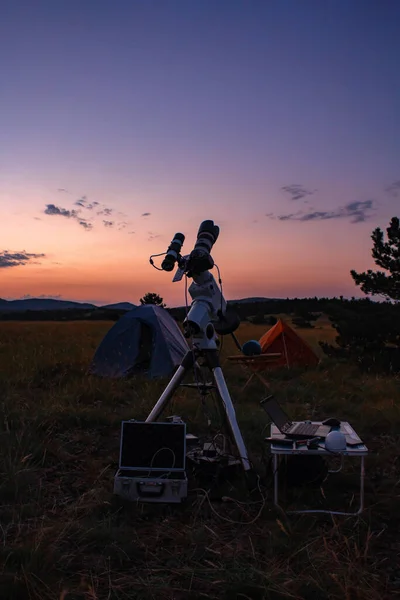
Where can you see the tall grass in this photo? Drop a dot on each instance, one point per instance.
(63, 535)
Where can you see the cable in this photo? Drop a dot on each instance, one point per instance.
(152, 262)
(220, 285)
(155, 454)
(264, 500)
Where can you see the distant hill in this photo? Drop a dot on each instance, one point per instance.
(256, 299)
(120, 306)
(42, 304)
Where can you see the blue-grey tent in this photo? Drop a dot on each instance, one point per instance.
(145, 340)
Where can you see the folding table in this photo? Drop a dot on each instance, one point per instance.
(255, 364)
(278, 450)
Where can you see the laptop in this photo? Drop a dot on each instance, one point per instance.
(287, 427)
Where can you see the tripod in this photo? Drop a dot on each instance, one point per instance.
(212, 361)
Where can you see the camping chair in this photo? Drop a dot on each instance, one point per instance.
(256, 364)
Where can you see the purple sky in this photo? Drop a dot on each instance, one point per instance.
(241, 112)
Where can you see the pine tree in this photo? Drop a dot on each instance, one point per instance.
(153, 298)
(386, 254)
(369, 332)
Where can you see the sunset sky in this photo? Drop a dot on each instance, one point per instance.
(123, 122)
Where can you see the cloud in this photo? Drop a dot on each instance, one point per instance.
(85, 224)
(105, 211)
(82, 202)
(152, 236)
(108, 223)
(357, 212)
(130, 232)
(37, 218)
(51, 209)
(122, 225)
(42, 296)
(147, 214)
(62, 190)
(297, 192)
(17, 259)
(393, 189)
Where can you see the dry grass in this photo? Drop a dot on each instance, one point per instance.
(64, 536)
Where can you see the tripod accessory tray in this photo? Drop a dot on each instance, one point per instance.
(152, 462)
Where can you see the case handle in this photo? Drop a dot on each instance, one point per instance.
(153, 489)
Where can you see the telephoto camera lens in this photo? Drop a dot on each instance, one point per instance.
(206, 236)
(200, 259)
(172, 253)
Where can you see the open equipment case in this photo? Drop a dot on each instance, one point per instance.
(152, 462)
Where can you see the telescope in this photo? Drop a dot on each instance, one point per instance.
(208, 313)
(208, 316)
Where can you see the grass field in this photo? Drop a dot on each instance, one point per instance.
(65, 536)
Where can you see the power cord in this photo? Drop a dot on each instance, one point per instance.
(155, 454)
(152, 262)
(229, 499)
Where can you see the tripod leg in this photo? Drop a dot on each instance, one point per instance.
(231, 416)
(171, 387)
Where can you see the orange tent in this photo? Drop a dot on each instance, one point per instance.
(294, 350)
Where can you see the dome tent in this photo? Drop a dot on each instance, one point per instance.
(295, 352)
(145, 340)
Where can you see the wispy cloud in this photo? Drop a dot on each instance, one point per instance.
(83, 203)
(146, 214)
(97, 209)
(130, 232)
(393, 189)
(58, 211)
(83, 223)
(296, 191)
(37, 218)
(42, 297)
(152, 236)
(357, 212)
(106, 212)
(62, 190)
(52, 209)
(17, 259)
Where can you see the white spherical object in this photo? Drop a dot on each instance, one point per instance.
(335, 441)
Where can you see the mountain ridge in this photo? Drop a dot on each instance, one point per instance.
(43, 304)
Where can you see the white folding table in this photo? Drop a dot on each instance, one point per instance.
(278, 450)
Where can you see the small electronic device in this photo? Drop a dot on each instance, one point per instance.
(152, 462)
(336, 442)
(331, 422)
(287, 427)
